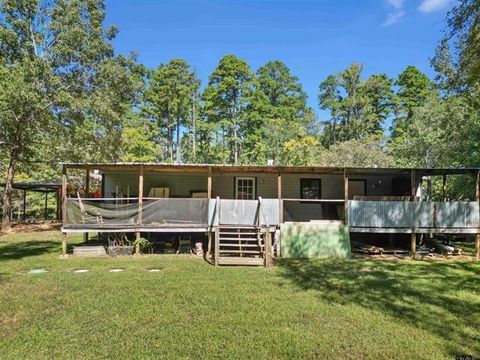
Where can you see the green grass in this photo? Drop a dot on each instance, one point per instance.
(348, 309)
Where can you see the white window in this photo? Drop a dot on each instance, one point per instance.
(245, 188)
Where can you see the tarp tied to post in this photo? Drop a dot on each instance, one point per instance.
(125, 212)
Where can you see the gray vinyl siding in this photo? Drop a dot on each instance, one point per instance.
(181, 184)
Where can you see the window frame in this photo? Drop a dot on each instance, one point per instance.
(302, 180)
(357, 181)
(254, 186)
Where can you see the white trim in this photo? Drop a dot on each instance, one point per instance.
(250, 178)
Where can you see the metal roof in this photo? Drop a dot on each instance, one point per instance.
(221, 168)
(44, 187)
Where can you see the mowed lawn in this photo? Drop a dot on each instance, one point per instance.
(308, 309)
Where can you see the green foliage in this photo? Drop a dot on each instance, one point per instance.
(169, 101)
(139, 140)
(357, 108)
(225, 102)
(144, 244)
(414, 89)
(442, 133)
(367, 152)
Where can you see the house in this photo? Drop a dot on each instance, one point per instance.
(247, 214)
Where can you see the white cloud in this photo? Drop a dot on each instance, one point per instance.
(396, 4)
(428, 6)
(393, 18)
(396, 14)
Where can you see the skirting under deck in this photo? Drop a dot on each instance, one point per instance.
(416, 231)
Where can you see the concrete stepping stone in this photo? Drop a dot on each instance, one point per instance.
(37, 271)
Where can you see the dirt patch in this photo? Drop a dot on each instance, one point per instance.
(34, 227)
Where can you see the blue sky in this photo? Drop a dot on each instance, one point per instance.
(313, 37)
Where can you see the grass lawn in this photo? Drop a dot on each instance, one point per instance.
(348, 309)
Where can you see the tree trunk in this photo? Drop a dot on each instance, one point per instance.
(177, 143)
(194, 144)
(170, 143)
(7, 195)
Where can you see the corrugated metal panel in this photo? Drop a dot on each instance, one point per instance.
(243, 212)
(457, 214)
(238, 212)
(413, 214)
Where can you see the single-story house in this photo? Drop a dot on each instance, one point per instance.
(248, 214)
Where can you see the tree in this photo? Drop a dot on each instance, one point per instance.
(170, 100)
(139, 140)
(441, 134)
(59, 80)
(414, 88)
(357, 108)
(457, 59)
(277, 113)
(367, 152)
(225, 103)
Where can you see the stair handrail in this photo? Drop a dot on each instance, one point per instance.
(262, 211)
(217, 206)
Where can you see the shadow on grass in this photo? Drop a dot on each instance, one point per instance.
(20, 250)
(439, 297)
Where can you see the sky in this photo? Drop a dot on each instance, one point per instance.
(314, 38)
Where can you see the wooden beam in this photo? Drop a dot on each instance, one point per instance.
(59, 202)
(217, 245)
(268, 249)
(64, 193)
(209, 183)
(345, 186)
(444, 187)
(477, 196)
(140, 208)
(413, 184)
(45, 212)
(477, 187)
(413, 244)
(87, 182)
(280, 200)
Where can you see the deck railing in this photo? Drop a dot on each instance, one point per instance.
(413, 214)
(115, 212)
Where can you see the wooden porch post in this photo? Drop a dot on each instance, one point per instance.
(209, 196)
(280, 200)
(444, 187)
(413, 184)
(413, 244)
(24, 214)
(345, 184)
(413, 239)
(64, 206)
(45, 210)
(209, 183)
(477, 237)
(140, 208)
(59, 208)
(217, 245)
(87, 192)
(87, 182)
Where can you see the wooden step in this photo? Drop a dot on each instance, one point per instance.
(241, 245)
(240, 251)
(237, 233)
(237, 239)
(225, 260)
(238, 227)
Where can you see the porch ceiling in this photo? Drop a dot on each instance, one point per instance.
(219, 169)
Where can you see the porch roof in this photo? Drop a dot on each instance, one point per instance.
(226, 168)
